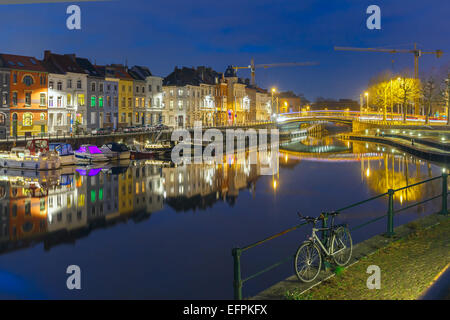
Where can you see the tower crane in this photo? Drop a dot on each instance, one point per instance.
(417, 54)
(254, 66)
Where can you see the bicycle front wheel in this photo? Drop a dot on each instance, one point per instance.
(307, 262)
(341, 249)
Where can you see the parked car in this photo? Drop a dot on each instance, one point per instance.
(161, 127)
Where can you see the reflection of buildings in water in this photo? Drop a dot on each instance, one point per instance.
(24, 210)
(397, 170)
(147, 187)
(67, 204)
(200, 185)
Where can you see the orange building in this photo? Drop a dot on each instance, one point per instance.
(28, 94)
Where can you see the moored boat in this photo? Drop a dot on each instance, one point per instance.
(65, 152)
(137, 152)
(88, 153)
(115, 151)
(35, 156)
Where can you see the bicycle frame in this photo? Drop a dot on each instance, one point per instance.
(315, 239)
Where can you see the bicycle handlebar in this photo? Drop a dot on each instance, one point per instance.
(315, 220)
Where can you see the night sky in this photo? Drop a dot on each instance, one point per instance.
(165, 34)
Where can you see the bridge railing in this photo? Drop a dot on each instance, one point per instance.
(237, 252)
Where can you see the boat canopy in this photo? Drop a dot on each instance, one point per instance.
(63, 149)
(117, 147)
(89, 149)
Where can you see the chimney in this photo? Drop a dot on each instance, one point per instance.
(47, 54)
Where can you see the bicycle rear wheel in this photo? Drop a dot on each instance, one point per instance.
(307, 262)
(341, 246)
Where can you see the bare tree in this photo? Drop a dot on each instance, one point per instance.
(430, 95)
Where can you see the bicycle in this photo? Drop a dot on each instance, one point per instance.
(337, 244)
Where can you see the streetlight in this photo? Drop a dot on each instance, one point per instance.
(367, 96)
(273, 91)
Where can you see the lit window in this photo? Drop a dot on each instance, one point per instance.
(28, 119)
(100, 101)
(43, 100)
(81, 100)
(93, 101)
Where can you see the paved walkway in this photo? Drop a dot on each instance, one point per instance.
(409, 262)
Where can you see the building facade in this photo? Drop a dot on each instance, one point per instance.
(66, 87)
(28, 94)
(93, 111)
(153, 95)
(139, 98)
(4, 103)
(111, 98)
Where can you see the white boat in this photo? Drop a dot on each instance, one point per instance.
(35, 156)
(89, 153)
(65, 152)
(116, 151)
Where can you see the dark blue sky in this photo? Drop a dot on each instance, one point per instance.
(162, 34)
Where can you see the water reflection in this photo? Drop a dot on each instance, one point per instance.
(54, 208)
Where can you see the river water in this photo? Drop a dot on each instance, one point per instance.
(153, 230)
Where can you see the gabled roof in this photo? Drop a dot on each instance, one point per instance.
(16, 62)
(142, 72)
(192, 76)
(118, 71)
(135, 75)
(61, 64)
(88, 67)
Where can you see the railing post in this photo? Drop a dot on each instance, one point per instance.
(390, 214)
(237, 284)
(444, 193)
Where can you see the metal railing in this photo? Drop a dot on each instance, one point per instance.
(389, 216)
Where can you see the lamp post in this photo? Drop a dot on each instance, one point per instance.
(367, 96)
(273, 91)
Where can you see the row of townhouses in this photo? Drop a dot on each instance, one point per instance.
(63, 93)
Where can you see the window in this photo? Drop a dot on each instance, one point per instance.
(137, 104)
(123, 102)
(50, 101)
(2, 118)
(129, 89)
(122, 117)
(93, 119)
(42, 100)
(50, 85)
(116, 102)
(108, 87)
(14, 78)
(81, 100)
(101, 87)
(137, 117)
(59, 85)
(28, 119)
(150, 88)
(69, 99)
(180, 104)
(69, 83)
(171, 104)
(93, 101)
(42, 116)
(59, 102)
(93, 86)
(108, 101)
(79, 85)
(158, 88)
(180, 92)
(130, 103)
(143, 89)
(137, 89)
(5, 99)
(100, 101)
(27, 80)
(28, 99)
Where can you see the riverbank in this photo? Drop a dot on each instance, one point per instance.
(409, 262)
(418, 149)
